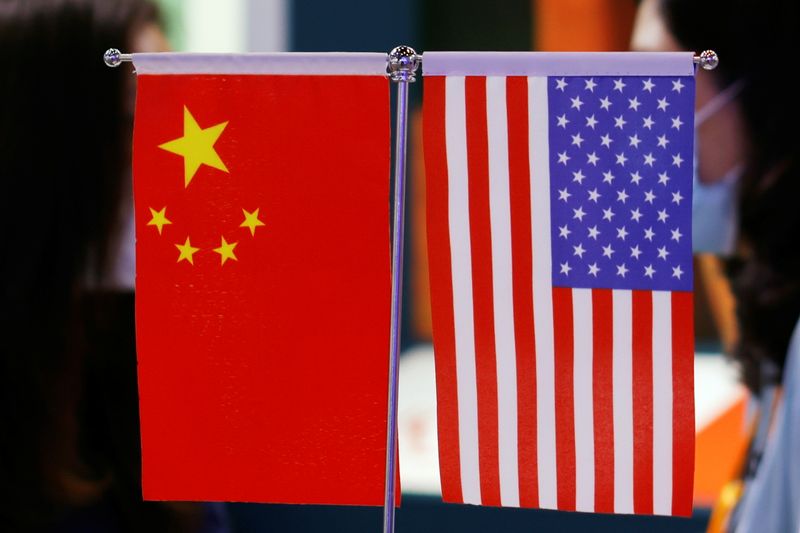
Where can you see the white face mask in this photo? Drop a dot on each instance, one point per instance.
(715, 219)
(122, 274)
(714, 215)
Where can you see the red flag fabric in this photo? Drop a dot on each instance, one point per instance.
(559, 228)
(263, 278)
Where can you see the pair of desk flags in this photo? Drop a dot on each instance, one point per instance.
(559, 235)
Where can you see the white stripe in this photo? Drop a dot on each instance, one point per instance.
(460, 254)
(542, 64)
(584, 406)
(505, 348)
(622, 377)
(327, 63)
(542, 290)
(662, 403)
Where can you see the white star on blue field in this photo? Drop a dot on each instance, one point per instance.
(621, 181)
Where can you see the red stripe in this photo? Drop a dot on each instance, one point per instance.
(522, 278)
(441, 283)
(482, 296)
(642, 402)
(682, 403)
(564, 397)
(603, 390)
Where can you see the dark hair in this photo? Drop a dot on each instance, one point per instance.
(753, 39)
(65, 131)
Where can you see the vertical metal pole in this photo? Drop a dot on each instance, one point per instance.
(403, 62)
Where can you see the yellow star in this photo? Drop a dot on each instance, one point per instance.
(159, 219)
(225, 251)
(187, 251)
(196, 146)
(251, 221)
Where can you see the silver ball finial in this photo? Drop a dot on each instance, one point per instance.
(403, 63)
(112, 57)
(709, 59)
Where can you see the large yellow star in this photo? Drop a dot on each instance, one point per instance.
(187, 251)
(159, 219)
(251, 221)
(225, 251)
(196, 146)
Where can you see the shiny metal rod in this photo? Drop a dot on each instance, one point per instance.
(403, 63)
(114, 58)
(708, 59)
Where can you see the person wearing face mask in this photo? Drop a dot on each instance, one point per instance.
(746, 210)
(714, 214)
(69, 435)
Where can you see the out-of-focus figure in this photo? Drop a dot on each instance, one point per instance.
(69, 441)
(747, 186)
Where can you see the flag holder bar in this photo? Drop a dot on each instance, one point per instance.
(707, 59)
(402, 66)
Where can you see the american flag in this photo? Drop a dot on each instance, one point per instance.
(559, 238)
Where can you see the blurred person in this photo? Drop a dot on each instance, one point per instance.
(745, 206)
(69, 435)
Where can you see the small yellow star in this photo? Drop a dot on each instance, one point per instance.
(225, 251)
(196, 146)
(187, 251)
(159, 219)
(251, 221)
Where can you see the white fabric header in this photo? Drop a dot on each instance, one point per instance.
(558, 64)
(294, 63)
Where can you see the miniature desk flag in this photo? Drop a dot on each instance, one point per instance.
(263, 277)
(559, 227)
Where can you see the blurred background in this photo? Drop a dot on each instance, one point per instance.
(368, 25)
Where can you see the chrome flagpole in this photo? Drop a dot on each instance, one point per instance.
(403, 63)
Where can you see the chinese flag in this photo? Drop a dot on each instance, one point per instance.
(263, 280)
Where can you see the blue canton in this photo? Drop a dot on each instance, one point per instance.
(621, 182)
